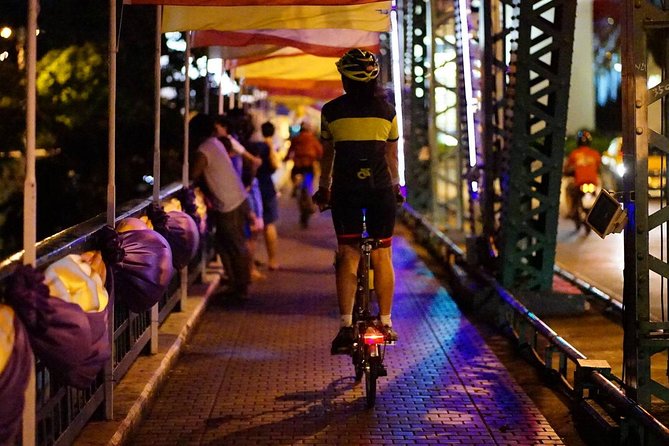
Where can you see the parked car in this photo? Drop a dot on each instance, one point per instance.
(613, 169)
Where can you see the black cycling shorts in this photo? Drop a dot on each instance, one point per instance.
(380, 205)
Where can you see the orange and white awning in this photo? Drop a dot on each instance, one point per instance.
(291, 68)
(281, 45)
(234, 15)
(368, 16)
(296, 75)
(321, 42)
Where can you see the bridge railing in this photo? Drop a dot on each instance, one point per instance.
(61, 410)
(588, 383)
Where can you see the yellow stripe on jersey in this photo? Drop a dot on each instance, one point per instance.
(363, 129)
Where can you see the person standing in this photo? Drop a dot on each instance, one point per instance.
(270, 163)
(228, 199)
(359, 170)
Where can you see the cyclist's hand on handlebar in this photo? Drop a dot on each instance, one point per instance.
(322, 198)
(399, 198)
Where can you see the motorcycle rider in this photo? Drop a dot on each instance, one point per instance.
(583, 164)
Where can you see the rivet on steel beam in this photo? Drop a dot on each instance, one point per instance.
(639, 130)
(638, 103)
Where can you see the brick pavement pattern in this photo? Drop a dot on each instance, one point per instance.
(260, 373)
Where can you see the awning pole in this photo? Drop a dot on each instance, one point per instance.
(30, 206)
(221, 97)
(184, 172)
(233, 99)
(155, 310)
(111, 198)
(156, 107)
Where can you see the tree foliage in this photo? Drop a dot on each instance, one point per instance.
(72, 113)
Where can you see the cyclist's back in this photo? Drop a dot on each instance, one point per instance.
(359, 130)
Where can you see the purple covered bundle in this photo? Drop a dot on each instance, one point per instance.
(71, 342)
(180, 231)
(142, 276)
(15, 363)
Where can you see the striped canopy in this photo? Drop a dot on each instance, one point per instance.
(374, 16)
(284, 46)
(321, 42)
(302, 75)
(235, 15)
(250, 2)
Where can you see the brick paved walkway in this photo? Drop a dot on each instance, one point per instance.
(261, 373)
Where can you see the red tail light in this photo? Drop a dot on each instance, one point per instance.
(373, 336)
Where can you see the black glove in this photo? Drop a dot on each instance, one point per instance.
(322, 198)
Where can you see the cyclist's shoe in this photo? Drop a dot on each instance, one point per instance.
(381, 370)
(391, 335)
(342, 343)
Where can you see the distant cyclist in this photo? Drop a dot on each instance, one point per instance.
(305, 150)
(583, 164)
(359, 170)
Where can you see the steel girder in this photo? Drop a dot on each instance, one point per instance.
(645, 55)
(497, 28)
(445, 133)
(417, 63)
(537, 97)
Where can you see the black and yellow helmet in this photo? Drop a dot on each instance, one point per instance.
(358, 65)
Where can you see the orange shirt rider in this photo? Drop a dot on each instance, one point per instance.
(583, 163)
(305, 149)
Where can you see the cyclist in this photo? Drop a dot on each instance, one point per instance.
(583, 164)
(306, 151)
(359, 170)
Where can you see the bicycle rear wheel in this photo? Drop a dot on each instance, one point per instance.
(358, 364)
(306, 207)
(371, 374)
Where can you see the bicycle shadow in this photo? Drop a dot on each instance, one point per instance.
(313, 412)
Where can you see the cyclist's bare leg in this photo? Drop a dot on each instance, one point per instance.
(348, 257)
(384, 279)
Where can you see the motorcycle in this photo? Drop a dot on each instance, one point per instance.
(582, 199)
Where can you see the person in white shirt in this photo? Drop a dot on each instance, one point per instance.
(229, 206)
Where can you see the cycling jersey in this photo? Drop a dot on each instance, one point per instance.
(359, 132)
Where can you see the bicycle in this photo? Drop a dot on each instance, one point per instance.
(303, 194)
(369, 345)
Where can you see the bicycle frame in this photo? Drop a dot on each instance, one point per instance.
(369, 346)
(303, 185)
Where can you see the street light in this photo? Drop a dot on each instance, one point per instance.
(18, 35)
(6, 32)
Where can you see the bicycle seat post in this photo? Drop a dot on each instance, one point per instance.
(365, 234)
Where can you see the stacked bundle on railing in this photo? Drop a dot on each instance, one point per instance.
(15, 360)
(61, 315)
(66, 320)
